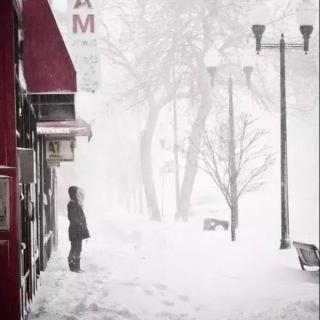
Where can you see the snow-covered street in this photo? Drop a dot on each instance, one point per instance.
(145, 270)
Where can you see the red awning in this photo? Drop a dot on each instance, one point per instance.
(64, 129)
(47, 65)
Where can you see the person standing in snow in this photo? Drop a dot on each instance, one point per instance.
(78, 227)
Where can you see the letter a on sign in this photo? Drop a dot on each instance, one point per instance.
(82, 3)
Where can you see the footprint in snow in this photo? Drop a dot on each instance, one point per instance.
(105, 293)
(94, 307)
(168, 303)
(57, 284)
(115, 313)
(310, 306)
(83, 283)
(98, 281)
(95, 268)
(160, 286)
(80, 308)
(70, 317)
(183, 298)
(129, 284)
(42, 302)
(198, 308)
(173, 316)
(148, 292)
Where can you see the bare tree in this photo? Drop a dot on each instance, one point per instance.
(226, 22)
(237, 166)
(216, 23)
(163, 52)
(149, 49)
(160, 46)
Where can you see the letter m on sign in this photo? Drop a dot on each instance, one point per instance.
(88, 24)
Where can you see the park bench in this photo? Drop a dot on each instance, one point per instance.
(308, 254)
(212, 223)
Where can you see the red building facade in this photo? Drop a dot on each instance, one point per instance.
(9, 238)
(37, 87)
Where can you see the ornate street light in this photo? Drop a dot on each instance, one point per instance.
(259, 17)
(305, 16)
(247, 61)
(212, 61)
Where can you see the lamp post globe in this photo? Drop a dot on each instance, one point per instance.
(259, 17)
(212, 61)
(248, 60)
(305, 17)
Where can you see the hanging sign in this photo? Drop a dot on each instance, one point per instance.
(4, 203)
(60, 150)
(84, 44)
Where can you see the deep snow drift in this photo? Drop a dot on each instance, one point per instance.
(141, 270)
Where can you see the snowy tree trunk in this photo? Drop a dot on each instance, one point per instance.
(176, 154)
(194, 147)
(234, 219)
(146, 164)
(232, 165)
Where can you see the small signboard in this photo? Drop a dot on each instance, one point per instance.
(60, 150)
(4, 203)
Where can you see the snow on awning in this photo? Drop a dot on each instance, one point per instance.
(48, 67)
(64, 129)
(18, 6)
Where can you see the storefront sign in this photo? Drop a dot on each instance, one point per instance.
(83, 43)
(4, 203)
(60, 150)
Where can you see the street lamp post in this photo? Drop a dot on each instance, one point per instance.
(212, 62)
(305, 16)
(247, 61)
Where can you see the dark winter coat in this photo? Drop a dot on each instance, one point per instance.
(78, 226)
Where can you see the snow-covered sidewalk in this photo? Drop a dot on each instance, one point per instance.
(140, 270)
